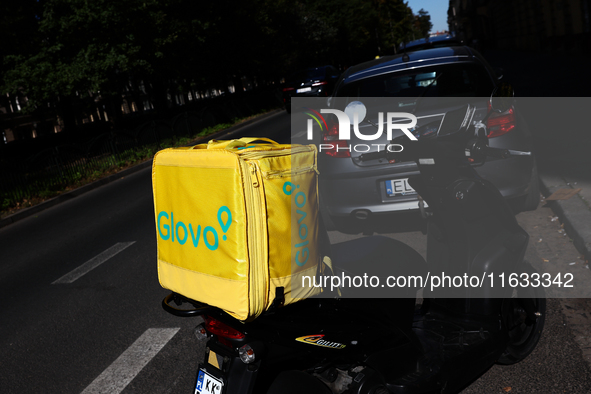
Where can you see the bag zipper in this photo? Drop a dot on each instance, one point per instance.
(258, 277)
(289, 173)
(254, 155)
(259, 154)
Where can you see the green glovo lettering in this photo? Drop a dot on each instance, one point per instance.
(167, 230)
(211, 230)
(194, 237)
(185, 232)
(302, 253)
(166, 227)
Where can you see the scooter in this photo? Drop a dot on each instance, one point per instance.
(347, 344)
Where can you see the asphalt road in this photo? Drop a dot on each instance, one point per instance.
(80, 301)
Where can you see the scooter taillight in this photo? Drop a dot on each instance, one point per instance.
(332, 146)
(220, 329)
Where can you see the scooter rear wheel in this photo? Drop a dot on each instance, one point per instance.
(524, 331)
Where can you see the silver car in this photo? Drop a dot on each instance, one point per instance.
(363, 188)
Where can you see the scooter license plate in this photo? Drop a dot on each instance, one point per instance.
(207, 383)
(399, 187)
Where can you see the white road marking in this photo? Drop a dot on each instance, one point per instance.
(93, 263)
(123, 370)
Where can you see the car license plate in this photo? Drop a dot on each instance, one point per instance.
(207, 384)
(304, 90)
(399, 187)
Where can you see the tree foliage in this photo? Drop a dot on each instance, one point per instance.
(423, 22)
(96, 46)
(80, 50)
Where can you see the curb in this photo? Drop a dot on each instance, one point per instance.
(573, 213)
(25, 213)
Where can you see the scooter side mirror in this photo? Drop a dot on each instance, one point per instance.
(502, 97)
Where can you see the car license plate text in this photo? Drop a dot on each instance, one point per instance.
(207, 384)
(399, 187)
(304, 90)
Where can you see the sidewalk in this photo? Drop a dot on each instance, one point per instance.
(25, 213)
(553, 92)
(574, 213)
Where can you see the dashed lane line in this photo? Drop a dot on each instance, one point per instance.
(93, 263)
(126, 367)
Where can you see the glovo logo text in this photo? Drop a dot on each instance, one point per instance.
(174, 230)
(302, 252)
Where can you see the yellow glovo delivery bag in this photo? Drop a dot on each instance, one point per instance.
(237, 223)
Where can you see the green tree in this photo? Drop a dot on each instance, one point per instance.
(90, 48)
(423, 23)
(397, 24)
(18, 27)
(79, 54)
(365, 29)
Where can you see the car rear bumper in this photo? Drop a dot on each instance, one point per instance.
(349, 190)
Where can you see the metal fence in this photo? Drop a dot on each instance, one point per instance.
(51, 170)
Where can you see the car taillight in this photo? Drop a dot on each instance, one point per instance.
(332, 146)
(287, 89)
(220, 329)
(499, 124)
(319, 83)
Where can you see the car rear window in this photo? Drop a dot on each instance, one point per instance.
(457, 80)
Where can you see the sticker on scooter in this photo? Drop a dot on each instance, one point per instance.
(318, 341)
